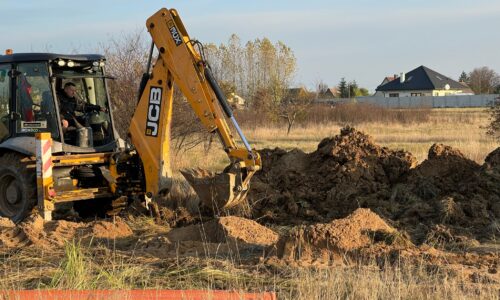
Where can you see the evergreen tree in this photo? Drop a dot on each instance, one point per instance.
(463, 77)
(343, 89)
(353, 89)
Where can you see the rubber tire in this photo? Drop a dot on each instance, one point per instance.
(14, 174)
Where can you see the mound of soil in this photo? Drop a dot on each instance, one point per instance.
(331, 241)
(226, 230)
(111, 230)
(350, 171)
(47, 235)
(345, 172)
(219, 237)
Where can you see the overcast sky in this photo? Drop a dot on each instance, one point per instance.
(364, 40)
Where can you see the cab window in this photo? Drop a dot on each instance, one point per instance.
(34, 100)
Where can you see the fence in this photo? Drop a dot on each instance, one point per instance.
(414, 102)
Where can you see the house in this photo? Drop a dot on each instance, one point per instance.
(388, 79)
(329, 93)
(236, 101)
(296, 93)
(421, 81)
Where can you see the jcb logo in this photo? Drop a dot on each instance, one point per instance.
(175, 33)
(153, 111)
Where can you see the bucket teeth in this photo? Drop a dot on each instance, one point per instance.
(216, 191)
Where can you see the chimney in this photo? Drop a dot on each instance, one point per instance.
(402, 78)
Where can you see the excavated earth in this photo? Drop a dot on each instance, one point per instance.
(350, 201)
(447, 198)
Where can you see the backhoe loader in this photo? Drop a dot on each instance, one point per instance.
(44, 162)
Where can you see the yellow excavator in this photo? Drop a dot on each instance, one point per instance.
(45, 162)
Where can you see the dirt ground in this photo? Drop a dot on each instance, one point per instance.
(347, 202)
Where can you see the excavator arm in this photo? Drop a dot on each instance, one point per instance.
(180, 63)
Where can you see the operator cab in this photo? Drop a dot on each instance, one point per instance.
(31, 88)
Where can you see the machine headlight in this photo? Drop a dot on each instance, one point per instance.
(61, 63)
(71, 64)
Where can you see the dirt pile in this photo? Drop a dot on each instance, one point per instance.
(47, 235)
(331, 241)
(219, 237)
(447, 192)
(345, 172)
(450, 193)
(226, 230)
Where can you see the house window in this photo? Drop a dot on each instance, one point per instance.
(393, 95)
(416, 94)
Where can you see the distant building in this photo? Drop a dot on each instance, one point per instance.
(236, 101)
(329, 93)
(421, 81)
(388, 79)
(296, 93)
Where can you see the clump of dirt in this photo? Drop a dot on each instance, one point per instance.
(350, 171)
(6, 223)
(111, 230)
(492, 163)
(332, 241)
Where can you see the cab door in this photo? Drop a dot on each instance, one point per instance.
(5, 101)
(35, 109)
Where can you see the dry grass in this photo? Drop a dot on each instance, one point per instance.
(82, 267)
(460, 128)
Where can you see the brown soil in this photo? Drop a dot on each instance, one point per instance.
(345, 172)
(34, 232)
(226, 230)
(328, 241)
(350, 171)
(219, 237)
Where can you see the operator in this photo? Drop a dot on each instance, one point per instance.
(73, 108)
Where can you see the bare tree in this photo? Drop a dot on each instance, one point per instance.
(126, 57)
(294, 106)
(483, 80)
(126, 61)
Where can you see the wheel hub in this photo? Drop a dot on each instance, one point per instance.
(12, 193)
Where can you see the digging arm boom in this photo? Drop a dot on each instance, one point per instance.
(178, 61)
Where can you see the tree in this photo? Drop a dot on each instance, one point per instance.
(483, 80)
(464, 77)
(126, 58)
(353, 89)
(259, 65)
(363, 92)
(293, 107)
(343, 88)
(493, 128)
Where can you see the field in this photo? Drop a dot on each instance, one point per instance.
(459, 128)
(173, 251)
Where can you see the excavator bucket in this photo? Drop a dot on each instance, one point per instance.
(216, 191)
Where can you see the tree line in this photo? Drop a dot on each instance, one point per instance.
(261, 71)
(482, 80)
